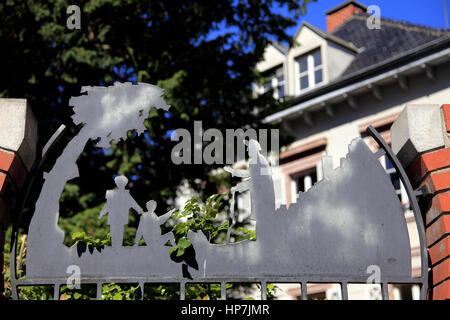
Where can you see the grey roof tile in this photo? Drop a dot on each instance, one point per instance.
(394, 38)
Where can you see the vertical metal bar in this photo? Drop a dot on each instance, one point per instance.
(99, 290)
(263, 290)
(141, 284)
(14, 291)
(344, 291)
(56, 291)
(12, 262)
(182, 291)
(413, 203)
(304, 291)
(384, 291)
(423, 292)
(223, 291)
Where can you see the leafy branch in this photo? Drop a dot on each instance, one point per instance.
(195, 217)
(91, 241)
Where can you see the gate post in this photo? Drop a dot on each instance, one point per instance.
(420, 139)
(18, 137)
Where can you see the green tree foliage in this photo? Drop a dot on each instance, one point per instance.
(198, 218)
(202, 53)
(207, 75)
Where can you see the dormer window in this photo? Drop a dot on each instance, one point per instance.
(309, 70)
(274, 78)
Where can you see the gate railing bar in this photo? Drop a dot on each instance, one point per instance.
(344, 290)
(182, 290)
(299, 280)
(414, 205)
(223, 290)
(141, 285)
(263, 290)
(99, 290)
(384, 291)
(304, 296)
(304, 290)
(56, 291)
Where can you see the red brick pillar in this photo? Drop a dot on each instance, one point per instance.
(422, 144)
(18, 136)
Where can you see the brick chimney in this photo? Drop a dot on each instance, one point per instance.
(337, 15)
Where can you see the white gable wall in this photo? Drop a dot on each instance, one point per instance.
(338, 59)
(272, 58)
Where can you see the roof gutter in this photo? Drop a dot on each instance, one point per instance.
(335, 89)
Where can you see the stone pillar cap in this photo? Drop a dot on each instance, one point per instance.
(18, 129)
(418, 129)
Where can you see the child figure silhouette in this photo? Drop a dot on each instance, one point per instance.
(150, 227)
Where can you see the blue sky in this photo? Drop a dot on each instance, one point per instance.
(424, 12)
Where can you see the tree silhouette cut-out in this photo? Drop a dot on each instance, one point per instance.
(110, 112)
(107, 113)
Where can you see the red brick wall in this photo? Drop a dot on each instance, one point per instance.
(432, 170)
(337, 18)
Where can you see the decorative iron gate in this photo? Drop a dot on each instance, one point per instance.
(346, 222)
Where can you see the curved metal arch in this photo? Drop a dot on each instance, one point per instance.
(29, 184)
(414, 205)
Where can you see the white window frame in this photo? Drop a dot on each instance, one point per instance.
(275, 84)
(310, 71)
(307, 181)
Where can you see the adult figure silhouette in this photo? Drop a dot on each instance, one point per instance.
(118, 204)
(150, 226)
(241, 187)
(262, 191)
(258, 180)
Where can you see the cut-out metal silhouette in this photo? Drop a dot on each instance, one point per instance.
(118, 204)
(150, 226)
(346, 222)
(241, 187)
